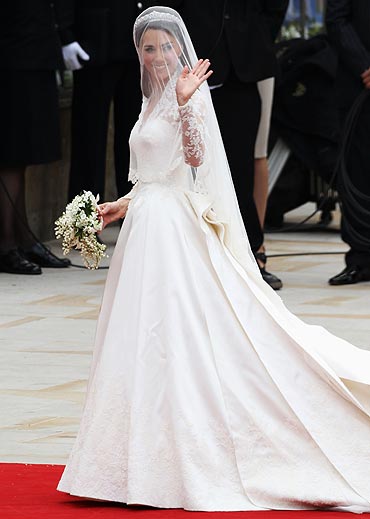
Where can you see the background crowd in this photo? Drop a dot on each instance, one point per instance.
(252, 82)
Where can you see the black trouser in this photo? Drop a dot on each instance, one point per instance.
(93, 91)
(358, 171)
(238, 109)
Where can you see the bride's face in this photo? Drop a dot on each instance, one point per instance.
(160, 53)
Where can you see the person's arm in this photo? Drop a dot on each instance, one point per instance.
(72, 51)
(274, 12)
(131, 194)
(191, 113)
(113, 211)
(192, 126)
(344, 38)
(65, 12)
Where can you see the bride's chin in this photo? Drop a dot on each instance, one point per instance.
(161, 78)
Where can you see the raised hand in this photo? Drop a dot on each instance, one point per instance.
(190, 80)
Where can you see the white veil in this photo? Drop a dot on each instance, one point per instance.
(212, 178)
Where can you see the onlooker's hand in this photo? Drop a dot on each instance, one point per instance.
(71, 53)
(366, 78)
(113, 211)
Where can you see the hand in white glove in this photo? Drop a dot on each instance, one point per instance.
(71, 53)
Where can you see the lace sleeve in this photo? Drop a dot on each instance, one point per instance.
(132, 175)
(131, 194)
(193, 129)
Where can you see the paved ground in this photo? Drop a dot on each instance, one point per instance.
(47, 326)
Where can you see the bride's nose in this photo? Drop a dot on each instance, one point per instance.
(159, 58)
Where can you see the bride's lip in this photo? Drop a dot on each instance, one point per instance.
(160, 66)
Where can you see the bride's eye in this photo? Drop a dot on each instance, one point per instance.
(167, 47)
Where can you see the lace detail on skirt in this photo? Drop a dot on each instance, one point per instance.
(125, 452)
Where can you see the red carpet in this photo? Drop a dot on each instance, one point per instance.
(28, 492)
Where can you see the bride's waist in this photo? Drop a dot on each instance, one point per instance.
(152, 185)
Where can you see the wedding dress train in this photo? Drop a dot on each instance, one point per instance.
(205, 392)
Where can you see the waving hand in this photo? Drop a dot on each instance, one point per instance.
(190, 80)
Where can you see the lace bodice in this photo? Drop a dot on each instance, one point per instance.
(165, 144)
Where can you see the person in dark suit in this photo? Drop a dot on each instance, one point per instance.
(348, 28)
(238, 37)
(30, 54)
(98, 47)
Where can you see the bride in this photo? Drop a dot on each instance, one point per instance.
(205, 392)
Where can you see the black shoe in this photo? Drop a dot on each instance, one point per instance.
(270, 279)
(13, 262)
(41, 255)
(351, 275)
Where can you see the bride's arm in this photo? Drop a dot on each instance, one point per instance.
(192, 111)
(192, 126)
(113, 211)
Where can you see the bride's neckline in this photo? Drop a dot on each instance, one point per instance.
(150, 105)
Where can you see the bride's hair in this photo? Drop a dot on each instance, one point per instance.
(160, 25)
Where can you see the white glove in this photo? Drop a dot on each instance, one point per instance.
(71, 53)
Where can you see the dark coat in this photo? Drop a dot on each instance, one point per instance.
(103, 28)
(29, 35)
(305, 114)
(234, 34)
(348, 28)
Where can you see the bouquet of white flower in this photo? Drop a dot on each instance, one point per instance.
(78, 225)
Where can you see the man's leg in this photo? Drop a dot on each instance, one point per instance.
(355, 225)
(237, 102)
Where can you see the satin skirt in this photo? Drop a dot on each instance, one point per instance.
(205, 392)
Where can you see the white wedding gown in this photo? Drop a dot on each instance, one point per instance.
(205, 392)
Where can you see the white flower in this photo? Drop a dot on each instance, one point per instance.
(77, 227)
